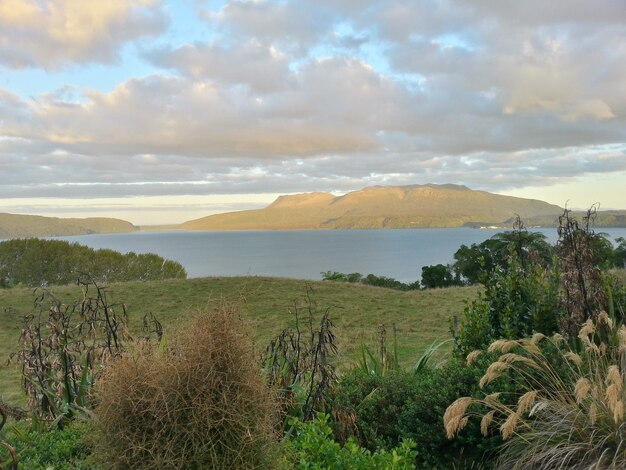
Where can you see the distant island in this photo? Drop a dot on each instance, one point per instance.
(28, 226)
(415, 206)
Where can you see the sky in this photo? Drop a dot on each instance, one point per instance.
(159, 112)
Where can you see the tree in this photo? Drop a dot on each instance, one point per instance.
(619, 254)
(439, 275)
(475, 263)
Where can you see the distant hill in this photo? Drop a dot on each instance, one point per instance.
(415, 206)
(607, 219)
(26, 226)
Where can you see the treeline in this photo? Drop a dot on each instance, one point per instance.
(35, 262)
(370, 280)
(473, 264)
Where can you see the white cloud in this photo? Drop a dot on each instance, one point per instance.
(53, 33)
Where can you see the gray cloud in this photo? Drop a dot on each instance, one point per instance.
(259, 67)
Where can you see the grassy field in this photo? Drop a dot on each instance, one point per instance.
(421, 317)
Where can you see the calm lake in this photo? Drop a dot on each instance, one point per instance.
(304, 254)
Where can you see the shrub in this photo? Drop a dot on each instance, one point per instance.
(517, 301)
(35, 262)
(312, 447)
(370, 280)
(63, 349)
(5, 445)
(197, 403)
(298, 363)
(619, 255)
(569, 412)
(582, 254)
(67, 449)
(387, 409)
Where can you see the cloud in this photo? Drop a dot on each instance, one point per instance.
(54, 33)
(294, 25)
(167, 115)
(259, 67)
(560, 58)
(330, 95)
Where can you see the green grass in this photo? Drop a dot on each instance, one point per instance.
(620, 274)
(421, 317)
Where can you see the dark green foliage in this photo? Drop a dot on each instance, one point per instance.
(388, 282)
(312, 447)
(517, 301)
(12, 458)
(475, 263)
(370, 280)
(619, 254)
(68, 449)
(341, 277)
(35, 262)
(471, 262)
(387, 409)
(527, 293)
(439, 275)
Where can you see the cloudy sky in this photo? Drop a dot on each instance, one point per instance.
(162, 111)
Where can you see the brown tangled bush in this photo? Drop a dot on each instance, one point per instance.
(197, 403)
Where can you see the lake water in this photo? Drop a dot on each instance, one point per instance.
(304, 254)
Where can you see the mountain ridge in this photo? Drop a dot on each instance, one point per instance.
(28, 226)
(411, 206)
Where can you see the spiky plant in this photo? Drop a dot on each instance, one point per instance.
(570, 411)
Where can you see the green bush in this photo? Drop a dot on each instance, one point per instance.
(518, 300)
(312, 447)
(197, 403)
(67, 449)
(34, 262)
(387, 409)
(370, 280)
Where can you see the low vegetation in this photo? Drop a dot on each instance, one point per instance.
(313, 447)
(34, 262)
(369, 280)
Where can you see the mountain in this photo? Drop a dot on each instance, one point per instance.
(414, 206)
(25, 226)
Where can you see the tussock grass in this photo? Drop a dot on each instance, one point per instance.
(570, 413)
(421, 317)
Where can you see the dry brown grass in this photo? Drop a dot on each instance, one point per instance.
(197, 403)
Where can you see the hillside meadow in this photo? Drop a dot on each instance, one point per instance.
(420, 317)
